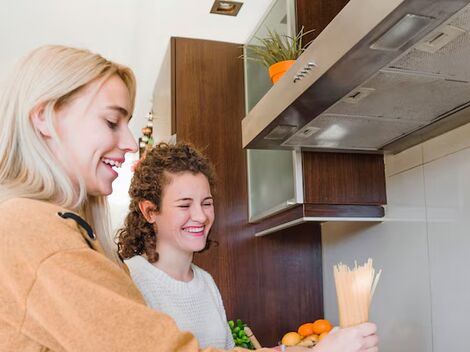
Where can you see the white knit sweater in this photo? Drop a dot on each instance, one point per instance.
(196, 306)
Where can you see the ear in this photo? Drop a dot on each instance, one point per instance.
(38, 119)
(149, 210)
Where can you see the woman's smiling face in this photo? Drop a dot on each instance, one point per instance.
(94, 133)
(186, 213)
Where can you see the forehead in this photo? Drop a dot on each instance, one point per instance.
(104, 93)
(185, 182)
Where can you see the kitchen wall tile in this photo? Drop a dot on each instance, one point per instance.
(405, 196)
(447, 189)
(447, 143)
(407, 159)
(402, 304)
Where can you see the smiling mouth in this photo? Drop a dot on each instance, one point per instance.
(194, 231)
(112, 163)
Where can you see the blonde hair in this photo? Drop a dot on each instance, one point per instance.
(50, 77)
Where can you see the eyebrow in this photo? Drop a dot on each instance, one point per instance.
(186, 199)
(119, 109)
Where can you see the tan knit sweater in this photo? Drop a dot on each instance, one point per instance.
(58, 294)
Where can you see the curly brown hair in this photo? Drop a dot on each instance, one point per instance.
(137, 236)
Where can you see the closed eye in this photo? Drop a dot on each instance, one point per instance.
(112, 125)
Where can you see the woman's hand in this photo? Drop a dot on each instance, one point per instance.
(360, 338)
(292, 349)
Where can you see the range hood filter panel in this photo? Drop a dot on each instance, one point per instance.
(409, 97)
(462, 19)
(351, 132)
(451, 61)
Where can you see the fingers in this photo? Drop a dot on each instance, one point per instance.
(367, 329)
(370, 341)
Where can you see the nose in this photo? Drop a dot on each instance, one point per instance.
(198, 214)
(127, 141)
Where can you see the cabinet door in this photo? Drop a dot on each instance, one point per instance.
(274, 181)
(197, 65)
(316, 14)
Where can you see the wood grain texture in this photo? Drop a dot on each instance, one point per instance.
(283, 217)
(340, 210)
(340, 178)
(274, 283)
(320, 210)
(316, 14)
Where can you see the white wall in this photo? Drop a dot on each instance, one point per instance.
(421, 303)
(133, 32)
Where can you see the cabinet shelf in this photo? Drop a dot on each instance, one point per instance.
(319, 213)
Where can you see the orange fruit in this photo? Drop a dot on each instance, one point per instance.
(313, 337)
(305, 329)
(291, 339)
(321, 325)
(322, 335)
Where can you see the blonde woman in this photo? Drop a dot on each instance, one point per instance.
(63, 129)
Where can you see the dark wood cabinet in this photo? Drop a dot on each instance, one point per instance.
(316, 14)
(274, 283)
(344, 185)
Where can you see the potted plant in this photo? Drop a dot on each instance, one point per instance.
(278, 52)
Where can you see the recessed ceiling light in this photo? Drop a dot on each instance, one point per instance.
(229, 8)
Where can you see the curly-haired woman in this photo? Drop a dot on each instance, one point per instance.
(171, 214)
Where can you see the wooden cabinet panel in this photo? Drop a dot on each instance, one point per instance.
(316, 14)
(340, 178)
(275, 282)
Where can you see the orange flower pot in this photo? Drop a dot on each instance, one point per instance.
(278, 69)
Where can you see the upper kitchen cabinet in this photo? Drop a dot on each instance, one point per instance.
(285, 17)
(334, 187)
(316, 14)
(382, 76)
(290, 187)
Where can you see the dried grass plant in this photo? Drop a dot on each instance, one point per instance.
(277, 47)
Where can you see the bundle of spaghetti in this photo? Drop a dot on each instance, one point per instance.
(354, 289)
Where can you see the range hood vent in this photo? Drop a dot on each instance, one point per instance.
(384, 79)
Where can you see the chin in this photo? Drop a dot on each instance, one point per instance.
(101, 192)
(198, 248)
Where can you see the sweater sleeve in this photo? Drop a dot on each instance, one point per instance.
(81, 301)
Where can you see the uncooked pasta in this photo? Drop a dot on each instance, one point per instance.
(354, 289)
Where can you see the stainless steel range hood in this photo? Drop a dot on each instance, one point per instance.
(383, 76)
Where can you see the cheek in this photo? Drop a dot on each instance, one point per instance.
(211, 216)
(179, 219)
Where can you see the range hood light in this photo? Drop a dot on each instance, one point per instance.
(402, 32)
(281, 132)
(332, 133)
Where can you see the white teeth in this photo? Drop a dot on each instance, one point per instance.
(194, 229)
(111, 162)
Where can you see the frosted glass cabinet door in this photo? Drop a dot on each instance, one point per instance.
(274, 181)
(274, 176)
(281, 19)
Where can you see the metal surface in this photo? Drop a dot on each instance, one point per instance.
(403, 90)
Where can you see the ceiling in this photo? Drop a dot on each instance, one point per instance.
(132, 32)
